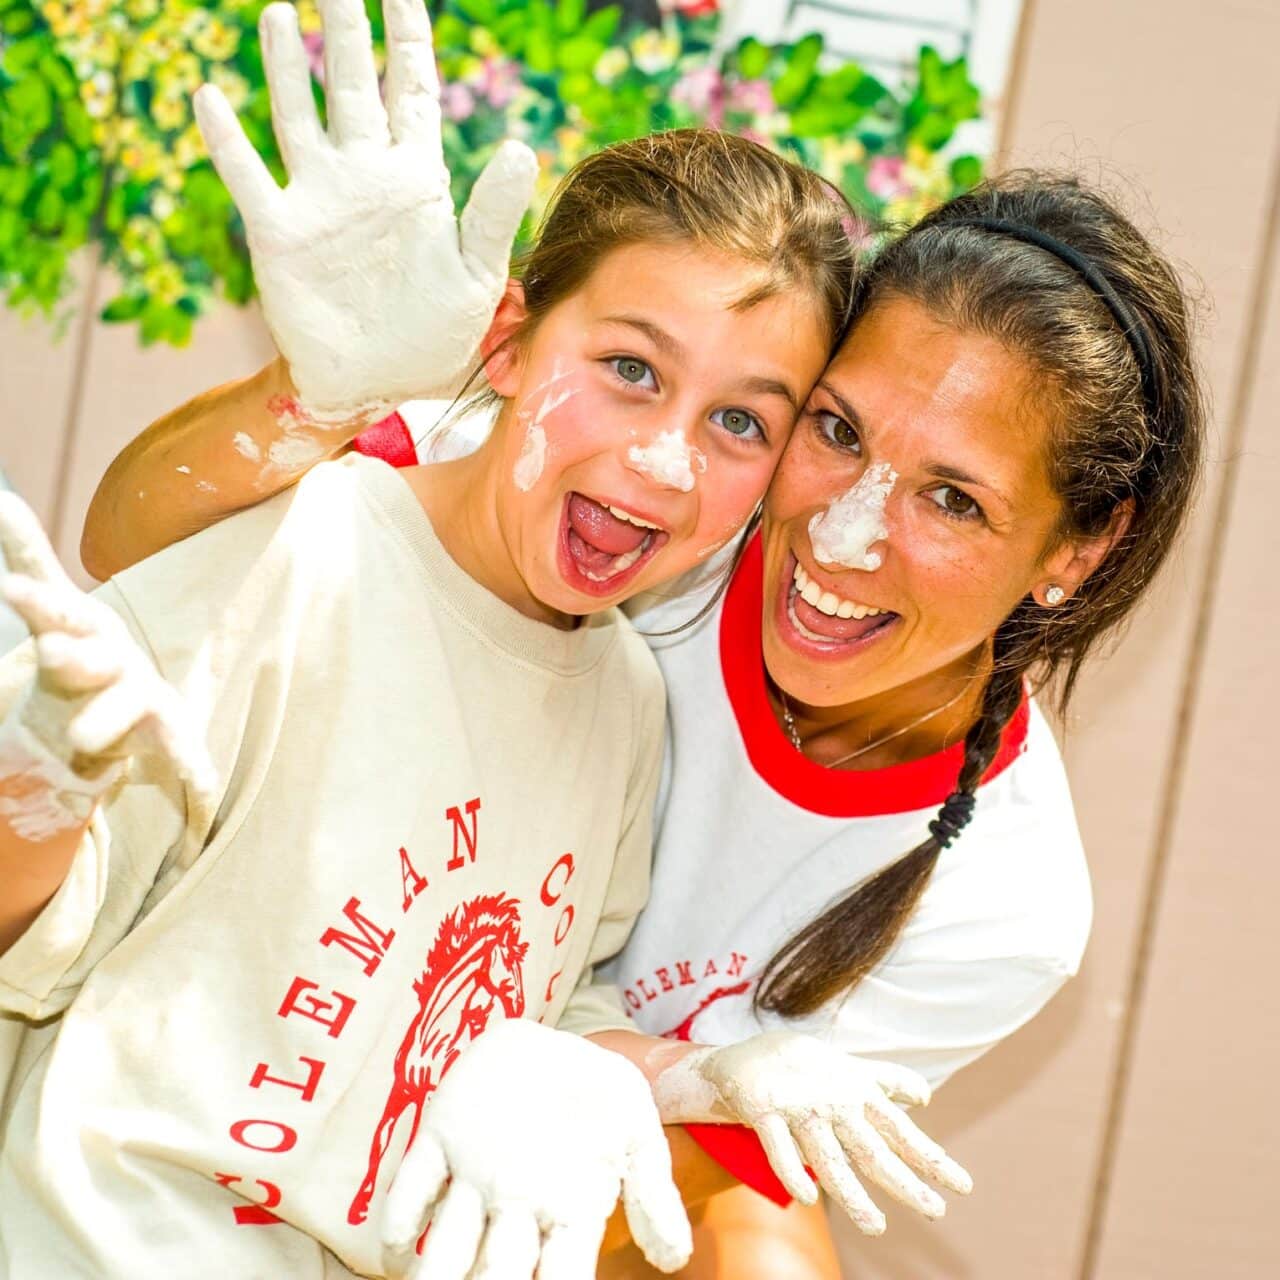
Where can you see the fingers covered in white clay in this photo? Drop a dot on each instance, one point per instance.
(810, 1102)
(293, 108)
(412, 82)
(356, 113)
(655, 1212)
(499, 198)
(239, 166)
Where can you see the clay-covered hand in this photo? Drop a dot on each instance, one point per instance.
(522, 1153)
(374, 292)
(96, 699)
(810, 1103)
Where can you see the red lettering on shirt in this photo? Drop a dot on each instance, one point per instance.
(372, 943)
(631, 998)
(564, 924)
(711, 970)
(684, 970)
(664, 979)
(315, 1008)
(286, 1138)
(307, 1087)
(565, 861)
(412, 882)
(459, 828)
(644, 991)
(252, 1215)
(735, 965)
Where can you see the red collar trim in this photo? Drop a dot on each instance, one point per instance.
(837, 793)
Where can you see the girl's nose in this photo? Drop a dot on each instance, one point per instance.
(668, 460)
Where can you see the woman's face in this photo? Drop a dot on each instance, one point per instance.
(646, 414)
(966, 530)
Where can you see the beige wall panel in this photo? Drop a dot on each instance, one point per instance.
(1135, 93)
(1198, 1159)
(37, 381)
(127, 386)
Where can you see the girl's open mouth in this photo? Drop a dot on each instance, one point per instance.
(817, 622)
(604, 546)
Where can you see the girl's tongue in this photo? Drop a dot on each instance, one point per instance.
(597, 537)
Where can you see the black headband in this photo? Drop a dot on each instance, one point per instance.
(1101, 286)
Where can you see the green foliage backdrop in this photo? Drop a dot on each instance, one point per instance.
(98, 144)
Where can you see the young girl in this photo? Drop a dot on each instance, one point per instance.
(233, 983)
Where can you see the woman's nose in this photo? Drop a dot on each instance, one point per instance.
(854, 523)
(668, 460)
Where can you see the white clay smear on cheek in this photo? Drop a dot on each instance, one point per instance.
(854, 522)
(550, 396)
(670, 460)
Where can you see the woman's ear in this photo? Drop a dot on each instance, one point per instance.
(499, 348)
(1073, 561)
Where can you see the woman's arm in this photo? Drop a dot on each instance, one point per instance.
(225, 450)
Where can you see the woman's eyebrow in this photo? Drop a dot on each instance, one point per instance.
(850, 413)
(945, 472)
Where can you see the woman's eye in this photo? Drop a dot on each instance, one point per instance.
(634, 371)
(955, 502)
(839, 432)
(738, 422)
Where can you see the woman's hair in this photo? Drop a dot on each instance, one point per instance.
(1126, 440)
(704, 188)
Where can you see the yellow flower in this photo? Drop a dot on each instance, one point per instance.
(164, 282)
(611, 64)
(98, 93)
(308, 17)
(141, 10)
(232, 83)
(169, 110)
(188, 148)
(483, 43)
(216, 41)
(654, 51)
(184, 72)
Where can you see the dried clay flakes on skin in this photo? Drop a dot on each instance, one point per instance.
(670, 460)
(533, 454)
(854, 522)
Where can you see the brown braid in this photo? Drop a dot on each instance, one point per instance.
(838, 949)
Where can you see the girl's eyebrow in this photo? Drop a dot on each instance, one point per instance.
(672, 347)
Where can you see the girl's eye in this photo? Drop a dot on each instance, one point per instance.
(634, 371)
(837, 431)
(955, 502)
(738, 422)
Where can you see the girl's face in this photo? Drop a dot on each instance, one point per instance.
(645, 415)
(944, 551)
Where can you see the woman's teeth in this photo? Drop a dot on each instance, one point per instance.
(827, 601)
(630, 519)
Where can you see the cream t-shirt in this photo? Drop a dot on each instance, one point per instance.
(216, 1039)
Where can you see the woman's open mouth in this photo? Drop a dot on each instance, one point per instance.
(817, 622)
(603, 546)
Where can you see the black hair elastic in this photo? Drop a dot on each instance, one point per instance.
(1129, 324)
(953, 817)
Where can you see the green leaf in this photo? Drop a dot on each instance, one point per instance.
(753, 58)
(581, 53)
(966, 172)
(802, 61)
(128, 306)
(481, 12)
(569, 15)
(603, 24)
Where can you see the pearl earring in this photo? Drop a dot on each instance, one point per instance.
(1054, 595)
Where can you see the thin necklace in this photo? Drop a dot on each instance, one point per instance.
(794, 734)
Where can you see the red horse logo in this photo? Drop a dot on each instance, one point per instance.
(472, 968)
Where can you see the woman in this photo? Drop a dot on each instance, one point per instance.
(866, 829)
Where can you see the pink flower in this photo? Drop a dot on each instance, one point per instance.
(314, 45)
(702, 92)
(500, 81)
(884, 177)
(693, 8)
(456, 101)
(754, 96)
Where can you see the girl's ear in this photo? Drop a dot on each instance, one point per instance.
(500, 348)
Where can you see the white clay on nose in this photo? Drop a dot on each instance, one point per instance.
(670, 460)
(854, 522)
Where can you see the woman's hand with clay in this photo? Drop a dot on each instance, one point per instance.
(811, 1104)
(97, 698)
(521, 1156)
(374, 292)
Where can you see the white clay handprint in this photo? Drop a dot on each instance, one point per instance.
(96, 700)
(374, 292)
(522, 1154)
(810, 1103)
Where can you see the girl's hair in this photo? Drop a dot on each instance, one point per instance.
(1121, 444)
(705, 188)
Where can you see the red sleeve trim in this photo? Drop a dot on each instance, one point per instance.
(737, 1149)
(389, 440)
(836, 793)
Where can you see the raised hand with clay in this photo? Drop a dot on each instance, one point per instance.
(517, 1168)
(96, 699)
(812, 1104)
(374, 292)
